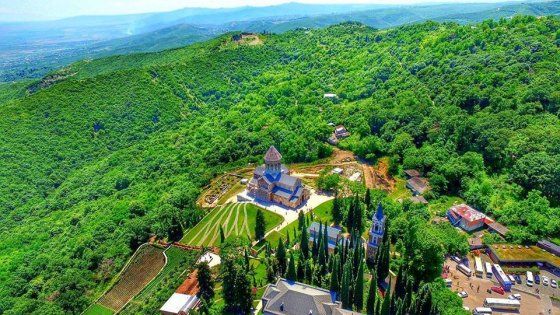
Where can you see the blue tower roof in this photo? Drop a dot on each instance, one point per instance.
(379, 213)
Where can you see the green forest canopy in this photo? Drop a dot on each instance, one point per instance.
(107, 151)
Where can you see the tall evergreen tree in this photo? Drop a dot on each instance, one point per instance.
(260, 225)
(359, 289)
(301, 220)
(222, 235)
(385, 307)
(334, 284)
(281, 257)
(336, 212)
(358, 216)
(346, 293)
(300, 269)
(367, 200)
(423, 302)
(326, 243)
(350, 216)
(205, 282)
(291, 274)
(304, 242)
(372, 296)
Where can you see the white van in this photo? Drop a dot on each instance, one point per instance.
(530, 279)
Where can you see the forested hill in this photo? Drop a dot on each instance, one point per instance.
(105, 152)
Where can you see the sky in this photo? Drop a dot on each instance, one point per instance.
(29, 10)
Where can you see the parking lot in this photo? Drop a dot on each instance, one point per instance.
(476, 288)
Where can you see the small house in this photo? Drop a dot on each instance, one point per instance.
(466, 217)
(334, 234)
(179, 304)
(418, 185)
(412, 173)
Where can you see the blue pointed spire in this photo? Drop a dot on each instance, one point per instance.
(379, 213)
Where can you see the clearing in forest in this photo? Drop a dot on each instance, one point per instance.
(144, 266)
(234, 218)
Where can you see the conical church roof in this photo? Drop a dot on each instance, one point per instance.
(272, 155)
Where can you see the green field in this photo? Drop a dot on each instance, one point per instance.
(234, 218)
(97, 309)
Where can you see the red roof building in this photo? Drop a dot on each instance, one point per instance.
(466, 217)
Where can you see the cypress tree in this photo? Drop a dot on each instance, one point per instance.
(300, 270)
(346, 293)
(247, 261)
(336, 212)
(308, 271)
(281, 257)
(385, 307)
(260, 225)
(372, 296)
(359, 289)
(304, 242)
(205, 282)
(222, 235)
(291, 274)
(334, 284)
(314, 252)
(358, 216)
(350, 217)
(400, 289)
(319, 242)
(301, 220)
(326, 244)
(367, 200)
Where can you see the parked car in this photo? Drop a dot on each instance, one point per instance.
(517, 296)
(537, 279)
(456, 259)
(553, 283)
(498, 290)
(517, 279)
(511, 297)
(545, 280)
(463, 294)
(512, 279)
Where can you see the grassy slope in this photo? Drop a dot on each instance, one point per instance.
(232, 218)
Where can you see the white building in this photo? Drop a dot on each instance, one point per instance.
(179, 304)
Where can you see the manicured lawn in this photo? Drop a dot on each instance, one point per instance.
(234, 218)
(323, 212)
(97, 309)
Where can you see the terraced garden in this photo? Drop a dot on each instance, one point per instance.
(234, 218)
(144, 266)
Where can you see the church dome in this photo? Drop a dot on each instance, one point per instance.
(272, 155)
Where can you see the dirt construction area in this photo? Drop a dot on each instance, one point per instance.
(477, 290)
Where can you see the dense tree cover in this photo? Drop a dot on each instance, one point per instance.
(119, 148)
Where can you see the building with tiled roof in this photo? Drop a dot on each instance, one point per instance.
(294, 298)
(334, 234)
(466, 217)
(272, 182)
